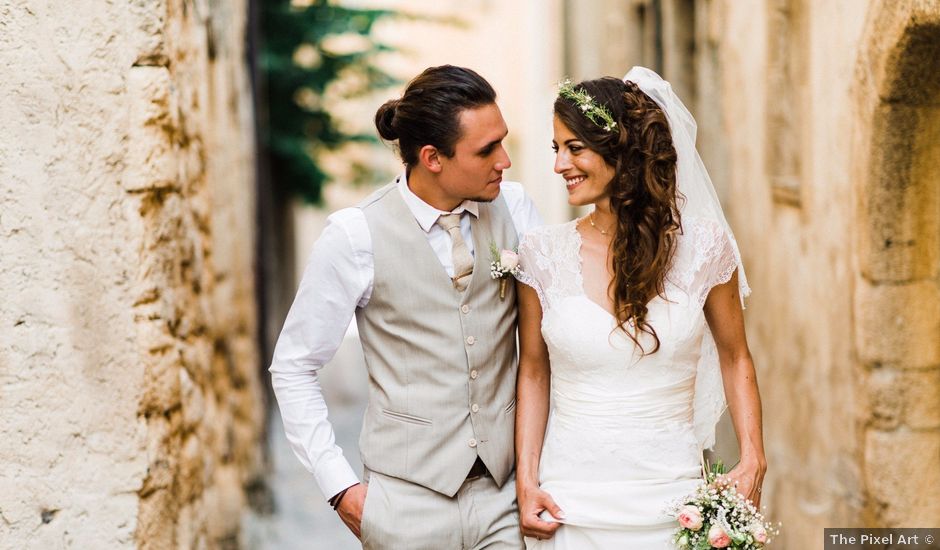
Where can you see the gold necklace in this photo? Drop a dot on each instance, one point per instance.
(591, 219)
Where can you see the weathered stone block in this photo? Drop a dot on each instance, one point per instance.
(193, 401)
(151, 155)
(900, 240)
(191, 472)
(153, 334)
(898, 466)
(161, 382)
(922, 399)
(146, 32)
(225, 501)
(197, 359)
(156, 518)
(885, 399)
(161, 469)
(899, 324)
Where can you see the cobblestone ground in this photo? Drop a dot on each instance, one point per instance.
(302, 519)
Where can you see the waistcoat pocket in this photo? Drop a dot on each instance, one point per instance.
(408, 418)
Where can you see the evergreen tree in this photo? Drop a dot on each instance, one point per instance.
(299, 60)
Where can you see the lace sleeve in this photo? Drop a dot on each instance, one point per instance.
(549, 259)
(533, 268)
(707, 257)
(710, 258)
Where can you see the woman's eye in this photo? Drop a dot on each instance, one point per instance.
(575, 148)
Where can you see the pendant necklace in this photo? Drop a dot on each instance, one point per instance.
(591, 219)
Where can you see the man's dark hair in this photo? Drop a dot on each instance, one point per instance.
(429, 111)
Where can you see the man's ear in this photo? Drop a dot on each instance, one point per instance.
(430, 158)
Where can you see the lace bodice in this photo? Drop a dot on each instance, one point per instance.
(598, 371)
(550, 258)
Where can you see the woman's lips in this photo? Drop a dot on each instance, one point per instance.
(573, 182)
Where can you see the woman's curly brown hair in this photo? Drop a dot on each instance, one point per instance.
(643, 194)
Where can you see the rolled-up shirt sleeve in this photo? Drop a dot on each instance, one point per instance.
(336, 280)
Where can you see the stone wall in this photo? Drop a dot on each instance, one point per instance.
(791, 202)
(838, 217)
(131, 399)
(896, 169)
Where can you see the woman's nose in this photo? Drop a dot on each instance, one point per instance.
(562, 162)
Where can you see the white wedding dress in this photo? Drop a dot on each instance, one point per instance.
(621, 443)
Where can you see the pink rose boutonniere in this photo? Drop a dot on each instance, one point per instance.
(504, 264)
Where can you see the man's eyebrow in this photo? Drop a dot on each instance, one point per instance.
(493, 143)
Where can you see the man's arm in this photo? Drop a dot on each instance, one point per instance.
(336, 279)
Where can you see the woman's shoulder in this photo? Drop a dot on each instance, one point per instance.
(698, 224)
(545, 235)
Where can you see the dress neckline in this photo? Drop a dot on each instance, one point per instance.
(579, 271)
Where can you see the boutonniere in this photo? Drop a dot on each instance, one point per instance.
(504, 264)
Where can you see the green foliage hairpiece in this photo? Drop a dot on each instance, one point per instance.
(595, 112)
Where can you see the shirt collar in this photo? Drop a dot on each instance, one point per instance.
(424, 213)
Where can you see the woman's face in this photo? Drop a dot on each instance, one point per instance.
(587, 175)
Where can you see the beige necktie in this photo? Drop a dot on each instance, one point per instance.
(460, 256)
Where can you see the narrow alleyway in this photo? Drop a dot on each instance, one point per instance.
(302, 519)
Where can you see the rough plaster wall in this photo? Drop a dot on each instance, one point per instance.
(800, 265)
(129, 388)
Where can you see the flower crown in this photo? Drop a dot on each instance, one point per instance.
(596, 113)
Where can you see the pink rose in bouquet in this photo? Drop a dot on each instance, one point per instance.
(690, 517)
(717, 516)
(760, 534)
(717, 537)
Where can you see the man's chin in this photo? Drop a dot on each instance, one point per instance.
(487, 196)
(484, 199)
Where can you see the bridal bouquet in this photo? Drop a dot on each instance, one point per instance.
(718, 516)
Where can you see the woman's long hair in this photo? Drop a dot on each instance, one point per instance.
(643, 194)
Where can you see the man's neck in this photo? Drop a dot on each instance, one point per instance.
(425, 186)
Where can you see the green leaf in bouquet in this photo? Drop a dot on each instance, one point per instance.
(738, 538)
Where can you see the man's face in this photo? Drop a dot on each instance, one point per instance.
(476, 169)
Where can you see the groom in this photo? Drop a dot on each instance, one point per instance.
(412, 262)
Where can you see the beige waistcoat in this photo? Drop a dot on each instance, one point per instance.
(441, 364)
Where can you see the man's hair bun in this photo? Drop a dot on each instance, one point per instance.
(385, 119)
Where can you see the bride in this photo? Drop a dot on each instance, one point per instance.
(631, 327)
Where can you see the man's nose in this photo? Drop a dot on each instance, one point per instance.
(504, 162)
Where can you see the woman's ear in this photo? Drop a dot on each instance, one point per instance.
(430, 158)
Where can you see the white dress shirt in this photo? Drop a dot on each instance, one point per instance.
(337, 279)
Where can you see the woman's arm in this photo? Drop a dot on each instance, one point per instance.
(726, 320)
(532, 395)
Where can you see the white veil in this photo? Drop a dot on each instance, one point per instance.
(701, 201)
